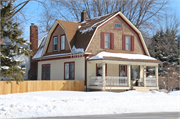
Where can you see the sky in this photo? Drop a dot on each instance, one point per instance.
(33, 10)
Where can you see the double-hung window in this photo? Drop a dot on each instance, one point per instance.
(55, 44)
(63, 42)
(107, 40)
(46, 72)
(128, 43)
(69, 68)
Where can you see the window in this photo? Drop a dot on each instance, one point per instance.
(123, 71)
(46, 72)
(118, 26)
(69, 68)
(128, 42)
(99, 69)
(150, 71)
(22, 66)
(55, 43)
(135, 69)
(63, 42)
(107, 41)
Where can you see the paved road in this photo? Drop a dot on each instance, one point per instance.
(165, 115)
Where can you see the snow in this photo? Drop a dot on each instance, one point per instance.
(77, 50)
(40, 50)
(4, 67)
(94, 25)
(71, 103)
(121, 55)
(79, 26)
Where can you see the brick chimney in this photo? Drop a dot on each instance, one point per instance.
(83, 16)
(34, 38)
(32, 74)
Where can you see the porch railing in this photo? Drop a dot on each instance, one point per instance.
(110, 81)
(150, 81)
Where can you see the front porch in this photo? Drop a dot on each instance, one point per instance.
(121, 75)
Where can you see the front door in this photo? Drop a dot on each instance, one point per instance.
(135, 75)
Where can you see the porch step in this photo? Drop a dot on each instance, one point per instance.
(141, 89)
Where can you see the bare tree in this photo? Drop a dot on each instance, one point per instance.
(142, 13)
(170, 77)
(47, 18)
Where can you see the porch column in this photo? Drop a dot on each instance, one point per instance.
(128, 75)
(144, 75)
(156, 74)
(103, 76)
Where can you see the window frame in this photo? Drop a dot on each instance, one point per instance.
(54, 44)
(46, 72)
(120, 69)
(64, 42)
(129, 43)
(69, 70)
(132, 46)
(109, 40)
(105, 69)
(116, 27)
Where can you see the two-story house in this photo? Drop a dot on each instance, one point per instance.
(108, 52)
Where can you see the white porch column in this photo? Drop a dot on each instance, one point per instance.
(144, 75)
(103, 76)
(128, 75)
(156, 74)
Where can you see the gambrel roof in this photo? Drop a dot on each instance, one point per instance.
(81, 34)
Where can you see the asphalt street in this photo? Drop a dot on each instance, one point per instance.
(162, 115)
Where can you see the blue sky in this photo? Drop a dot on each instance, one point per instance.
(33, 10)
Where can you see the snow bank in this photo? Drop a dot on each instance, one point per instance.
(122, 55)
(70, 103)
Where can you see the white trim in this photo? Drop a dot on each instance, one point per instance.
(139, 33)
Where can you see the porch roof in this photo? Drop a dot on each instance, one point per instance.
(124, 57)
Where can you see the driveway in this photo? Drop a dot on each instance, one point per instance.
(161, 115)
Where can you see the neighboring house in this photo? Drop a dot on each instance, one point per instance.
(26, 60)
(108, 52)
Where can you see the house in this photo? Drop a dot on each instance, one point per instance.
(27, 61)
(108, 52)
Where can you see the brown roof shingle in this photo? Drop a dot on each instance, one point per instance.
(82, 36)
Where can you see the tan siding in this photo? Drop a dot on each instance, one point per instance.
(112, 70)
(57, 68)
(58, 32)
(95, 46)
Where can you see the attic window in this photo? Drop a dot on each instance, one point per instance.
(118, 26)
(63, 42)
(55, 44)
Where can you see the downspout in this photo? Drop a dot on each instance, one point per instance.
(85, 72)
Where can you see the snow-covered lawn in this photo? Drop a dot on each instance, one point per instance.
(69, 103)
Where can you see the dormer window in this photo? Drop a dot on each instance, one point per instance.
(118, 26)
(55, 44)
(63, 42)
